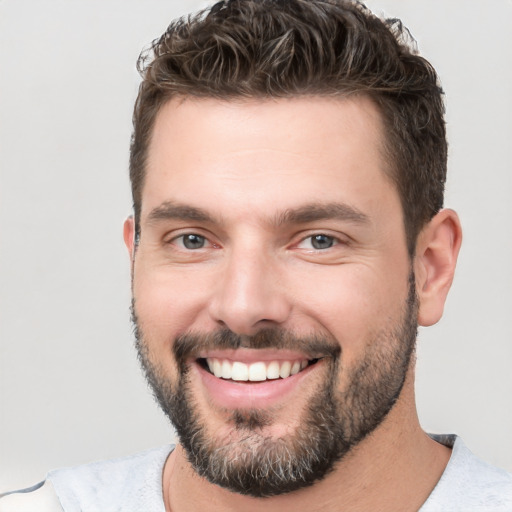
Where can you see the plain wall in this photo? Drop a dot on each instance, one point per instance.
(70, 387)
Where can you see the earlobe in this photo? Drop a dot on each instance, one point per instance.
(129, 235)
(437, 249)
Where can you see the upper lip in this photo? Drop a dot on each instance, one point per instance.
(248, 356)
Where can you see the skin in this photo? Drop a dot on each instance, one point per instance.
(245, 164)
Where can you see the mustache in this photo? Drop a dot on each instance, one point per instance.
(189, 345)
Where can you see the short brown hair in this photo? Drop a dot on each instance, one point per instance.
(289, 48)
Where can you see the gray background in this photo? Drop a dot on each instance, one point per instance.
(70, 387)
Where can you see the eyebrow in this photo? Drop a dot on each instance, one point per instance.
(170, 210)
(174, 211)
(320, 211)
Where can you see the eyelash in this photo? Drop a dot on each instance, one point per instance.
(175, 240)
(332, 241)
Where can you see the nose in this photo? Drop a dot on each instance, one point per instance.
(250, 294)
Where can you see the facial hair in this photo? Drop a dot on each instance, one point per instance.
(256, 464)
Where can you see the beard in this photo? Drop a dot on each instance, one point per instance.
(254, 463)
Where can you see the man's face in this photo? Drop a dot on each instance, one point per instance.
(273, 292)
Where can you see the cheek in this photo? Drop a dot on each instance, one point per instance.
(167, 303)
(172, 300)
(354, 303)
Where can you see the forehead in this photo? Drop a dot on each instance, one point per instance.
(286, 151)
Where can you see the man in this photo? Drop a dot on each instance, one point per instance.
(287, 165)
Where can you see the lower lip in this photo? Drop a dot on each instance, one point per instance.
(232, 394)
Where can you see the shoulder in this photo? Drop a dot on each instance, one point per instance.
(131, 483)
(119, 484)
(40, 498)
(469, 483)
(112, 470)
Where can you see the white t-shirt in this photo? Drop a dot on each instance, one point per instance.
(134, 484)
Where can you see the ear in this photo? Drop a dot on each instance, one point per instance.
(129, 236)
(437, 249)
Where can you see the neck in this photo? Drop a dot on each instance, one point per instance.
(393, 469)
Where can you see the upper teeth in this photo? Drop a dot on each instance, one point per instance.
(258, 371)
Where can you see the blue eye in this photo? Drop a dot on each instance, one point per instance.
(318, 242)
(322, 241)
(192, 241)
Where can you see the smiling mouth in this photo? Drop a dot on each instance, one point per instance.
(254, 372)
